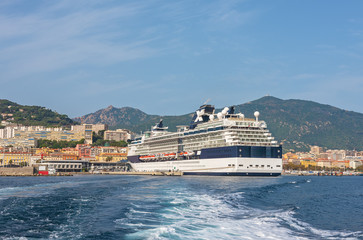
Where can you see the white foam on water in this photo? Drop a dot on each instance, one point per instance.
(125, 222)
(211, 217)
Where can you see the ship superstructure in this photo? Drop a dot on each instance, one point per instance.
(213, 144)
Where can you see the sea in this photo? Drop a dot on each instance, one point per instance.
(160, 207)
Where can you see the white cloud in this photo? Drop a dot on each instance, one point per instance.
(40, 42)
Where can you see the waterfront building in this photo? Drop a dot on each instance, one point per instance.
(355, 163)
(323, 162)
(340, 164)
(66, 166)
(15, 158)
(308, 162)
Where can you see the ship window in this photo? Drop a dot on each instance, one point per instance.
(232, 165)
(229, 165)
(250, 165)
(262, 165)
(241, 165)
(268, 165)
(256, 165)
(278, 166)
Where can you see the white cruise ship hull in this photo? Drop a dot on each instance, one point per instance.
(216, 166)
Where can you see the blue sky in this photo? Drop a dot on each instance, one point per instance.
(168, 57)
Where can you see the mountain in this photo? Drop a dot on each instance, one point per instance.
(299, 123)
(32, 115)
(130, 118)
(295, 123)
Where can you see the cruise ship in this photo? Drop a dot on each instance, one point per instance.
(223, 143)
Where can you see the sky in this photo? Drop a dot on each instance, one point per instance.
(169, 57)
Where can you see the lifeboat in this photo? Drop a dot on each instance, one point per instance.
(188, 153)
(183, 154)
(144, 157)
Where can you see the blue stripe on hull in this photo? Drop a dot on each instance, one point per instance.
(233, 174)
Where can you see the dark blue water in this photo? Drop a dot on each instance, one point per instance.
(148, 207)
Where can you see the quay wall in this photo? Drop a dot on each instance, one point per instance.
(21, 171)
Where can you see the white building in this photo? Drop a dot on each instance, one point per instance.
(355, 163)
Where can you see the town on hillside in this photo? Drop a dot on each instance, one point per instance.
(320, 160)
(81, 148)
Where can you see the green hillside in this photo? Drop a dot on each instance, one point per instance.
(32, 115)
(300, 123)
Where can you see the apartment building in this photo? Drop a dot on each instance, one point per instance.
(15, 158)
(117, 135)
(87, 129)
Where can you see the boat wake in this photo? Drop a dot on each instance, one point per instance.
(225, 217)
